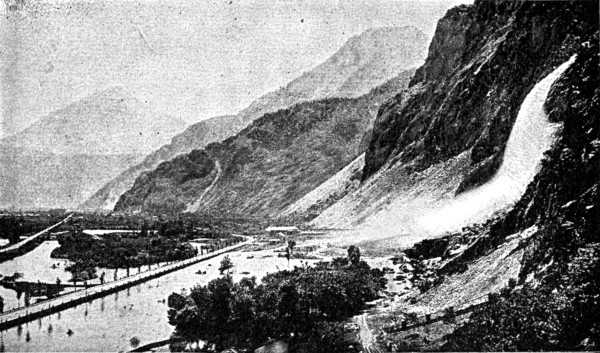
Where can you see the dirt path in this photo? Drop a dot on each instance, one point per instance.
(194, 207)
(366, 336)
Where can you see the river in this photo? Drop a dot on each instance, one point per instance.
(109, 323)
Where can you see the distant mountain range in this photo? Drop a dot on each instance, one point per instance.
(63, 158)
(273, 162)
(364, 62)
(109, 122)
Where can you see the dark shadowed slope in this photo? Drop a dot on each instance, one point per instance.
(273, 162)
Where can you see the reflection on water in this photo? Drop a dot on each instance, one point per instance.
(109, 324)
(35, 265)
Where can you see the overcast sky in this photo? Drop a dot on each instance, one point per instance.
(190, 59)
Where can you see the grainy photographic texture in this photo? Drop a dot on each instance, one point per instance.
(299, 176)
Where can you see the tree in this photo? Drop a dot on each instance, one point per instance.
(226, 265)
(289, 250)
(354, 255)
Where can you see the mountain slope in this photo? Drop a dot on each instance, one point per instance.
(516, 105)
(447, 134)
(63, 158)
(276, 160)
(107, 123)
(364, 62)
(538, 262)
(34, 180)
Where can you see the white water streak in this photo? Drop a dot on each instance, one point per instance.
(531, 135)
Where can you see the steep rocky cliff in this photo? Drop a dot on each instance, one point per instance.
(270, 164)
(447, 133)
(469, 91)
(541, 258)
(364, 62)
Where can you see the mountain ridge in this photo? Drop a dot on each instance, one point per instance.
(75, 150)
(329, 79)
(277, 159)
(111, 121)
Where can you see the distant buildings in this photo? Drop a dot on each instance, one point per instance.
(283, 230)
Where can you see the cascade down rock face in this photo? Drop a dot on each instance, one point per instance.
(364, 62)
(531, 136)
(448, 132)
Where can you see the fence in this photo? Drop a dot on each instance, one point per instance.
(437, 316)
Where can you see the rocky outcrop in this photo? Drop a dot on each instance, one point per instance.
(364, 62)
(196, 136)
(482, 62)
(193, 170)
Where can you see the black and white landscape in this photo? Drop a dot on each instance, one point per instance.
(298, 176)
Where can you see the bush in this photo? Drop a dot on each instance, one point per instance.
(526, 320)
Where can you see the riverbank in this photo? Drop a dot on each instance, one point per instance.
(109, 323)
(45, 308)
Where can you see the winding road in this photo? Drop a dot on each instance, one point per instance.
(194, 206)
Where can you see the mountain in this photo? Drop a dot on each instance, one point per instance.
(468, 136)
(483, 180)
(276, 160)
(364, 62)
(110, 122)
(63, 158)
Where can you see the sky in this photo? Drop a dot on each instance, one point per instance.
(189, 59)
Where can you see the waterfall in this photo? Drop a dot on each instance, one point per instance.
(532, 134)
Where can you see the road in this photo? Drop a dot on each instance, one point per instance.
(194, 207)
(25, 314)
(20, 244)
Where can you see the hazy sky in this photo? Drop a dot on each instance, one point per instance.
(191, 59)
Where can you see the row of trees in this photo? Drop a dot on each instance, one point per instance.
(304, 306)
(118, 251)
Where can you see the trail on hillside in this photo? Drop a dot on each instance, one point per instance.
(194, 206)
(366, 336)
(532, 135)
